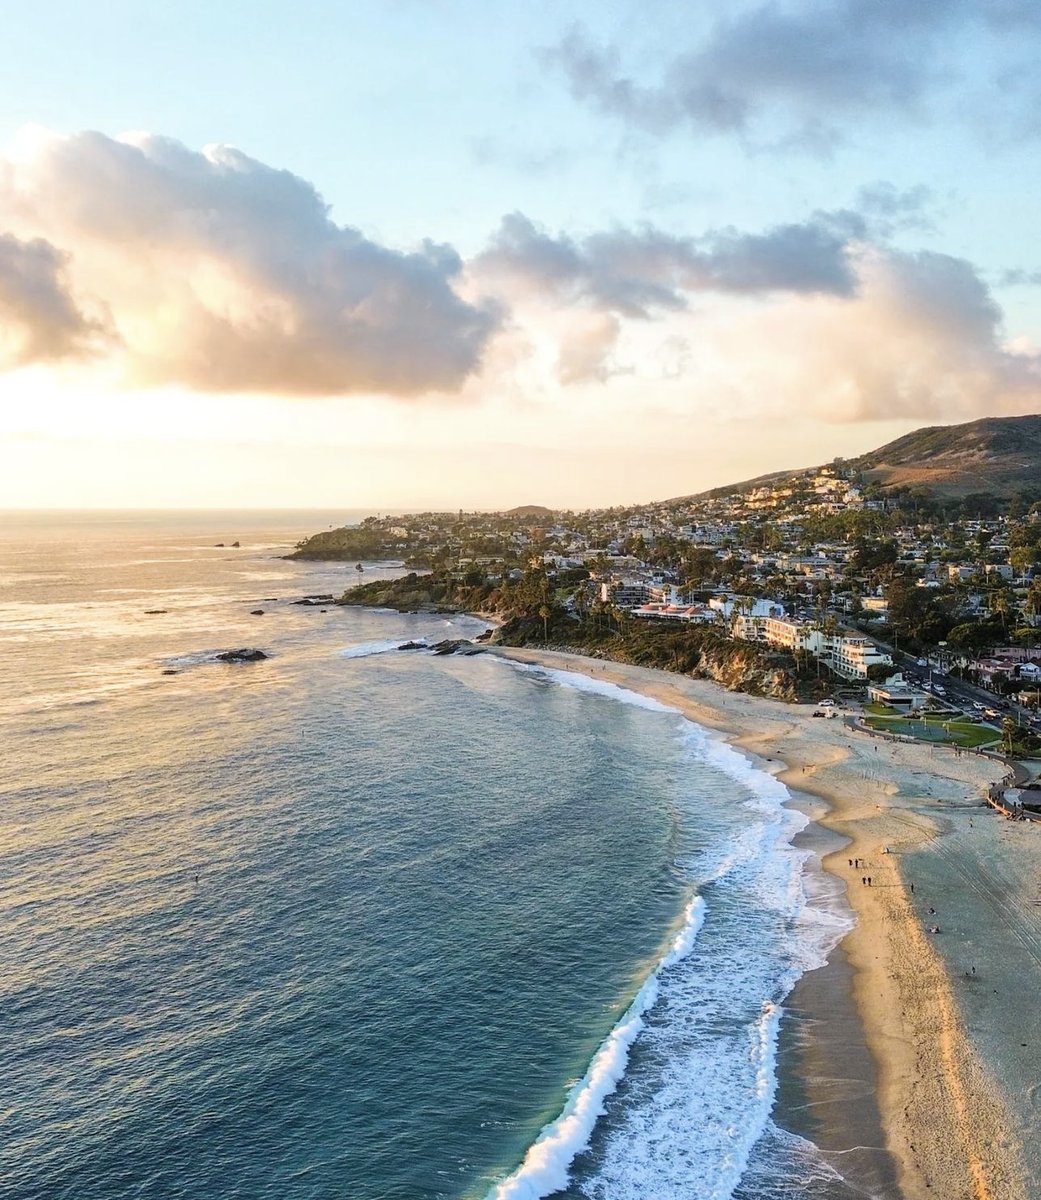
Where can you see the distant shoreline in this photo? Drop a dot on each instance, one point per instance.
(954, 1125)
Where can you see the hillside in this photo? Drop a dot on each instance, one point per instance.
(999, 455)
(531, 510)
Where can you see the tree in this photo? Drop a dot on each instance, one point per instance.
(544, 611)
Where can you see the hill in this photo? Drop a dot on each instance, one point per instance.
(999, 455)
(996, 455)
(530, 510)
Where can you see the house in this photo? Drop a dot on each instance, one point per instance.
(897, 694)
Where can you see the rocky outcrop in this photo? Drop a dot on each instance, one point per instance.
(457, 646)
(741, 670)
(245, 654)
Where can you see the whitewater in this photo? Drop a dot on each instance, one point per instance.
(701, 1098)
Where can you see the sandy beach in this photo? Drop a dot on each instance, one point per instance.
(951, 1017)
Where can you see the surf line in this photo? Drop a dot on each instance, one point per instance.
(546, 1165)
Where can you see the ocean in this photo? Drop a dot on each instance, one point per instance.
(365, 923)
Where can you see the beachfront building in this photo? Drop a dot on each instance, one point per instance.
(853, 656)
(849, 655)
(662, 611)
(628, 593)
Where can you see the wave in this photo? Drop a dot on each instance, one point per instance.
(367, 649)
(717, 1003)
(194, 658)
(596, 687)
(545, 1168)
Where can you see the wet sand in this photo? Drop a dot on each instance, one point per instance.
(955, 1090)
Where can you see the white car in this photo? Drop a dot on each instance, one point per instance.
(826, 704)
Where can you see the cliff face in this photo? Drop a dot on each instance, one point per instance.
(702, 653)
(742, 669)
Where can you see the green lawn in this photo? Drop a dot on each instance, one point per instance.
(937, 728)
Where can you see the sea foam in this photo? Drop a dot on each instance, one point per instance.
(545, 1166)
(367, 649)
(707, 1076)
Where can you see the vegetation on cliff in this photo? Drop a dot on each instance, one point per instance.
(534, 616)
(351, 543)
(700, 651)
(435, 591)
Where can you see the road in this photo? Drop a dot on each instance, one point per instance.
(958, 692)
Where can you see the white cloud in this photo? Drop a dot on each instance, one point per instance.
(921, 338)
(40, 321)
(225, 274)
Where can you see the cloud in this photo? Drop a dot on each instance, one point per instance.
(1020, 276)
(888, 209)
(921, 337)
(586, 350)
(785, 75)
(39, 319)
(639, 273)
(226, 274)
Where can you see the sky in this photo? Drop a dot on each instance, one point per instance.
(450, 253)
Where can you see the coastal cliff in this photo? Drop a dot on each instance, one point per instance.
(701, 651)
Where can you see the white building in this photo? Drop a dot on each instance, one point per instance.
(849, 655)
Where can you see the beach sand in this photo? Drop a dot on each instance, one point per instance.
(951, 1019)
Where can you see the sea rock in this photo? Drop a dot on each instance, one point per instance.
(457, 646)
(315, 601)
(155, 612)
(413, 646)
(170, 671)
(235, 545)
(245, 654)
(256, 612)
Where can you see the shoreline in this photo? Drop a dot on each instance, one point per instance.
(955, 1125)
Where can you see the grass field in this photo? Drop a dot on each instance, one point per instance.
(936, 727)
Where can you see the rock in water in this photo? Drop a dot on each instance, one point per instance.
(256, 612)
(246, 654)
(457, 646)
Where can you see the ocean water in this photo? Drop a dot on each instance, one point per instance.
(356, 922)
